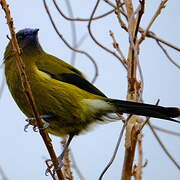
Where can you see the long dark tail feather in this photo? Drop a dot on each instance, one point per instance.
(146, 109)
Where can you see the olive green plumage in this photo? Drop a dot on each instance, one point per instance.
(61, 91)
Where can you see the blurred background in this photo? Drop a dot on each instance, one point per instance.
(22, 154)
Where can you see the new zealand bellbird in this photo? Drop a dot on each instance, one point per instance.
(62, 93)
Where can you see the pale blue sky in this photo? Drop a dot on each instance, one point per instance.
(22, 154)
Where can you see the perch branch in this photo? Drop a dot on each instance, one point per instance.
(27, 89)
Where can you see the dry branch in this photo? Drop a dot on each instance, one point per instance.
(27, 89)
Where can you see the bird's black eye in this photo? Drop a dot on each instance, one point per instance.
(21, 36)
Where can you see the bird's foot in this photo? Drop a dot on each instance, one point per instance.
(50, 167)
(32, 121)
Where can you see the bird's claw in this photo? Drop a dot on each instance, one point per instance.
(32, 121)
(49, 169)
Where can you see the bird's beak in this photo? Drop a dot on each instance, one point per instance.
(35, 31)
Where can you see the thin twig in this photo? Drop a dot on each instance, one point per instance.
(116, 46)
(96, 41)
(115, 150)
(68, 45)
(80, 19)
(167, 55)
(140, 14)
(165, 130)
(2, 174)
(163, 146)
(73, 31)
(67, 163)
(118, 13)
(149, 34)
(27, 89)
(75, 166)
(152, 35)
(157, 13)
(138, 169)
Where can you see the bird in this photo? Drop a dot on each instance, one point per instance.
(68, 102)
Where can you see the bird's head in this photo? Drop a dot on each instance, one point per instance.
(28, 41)
(28, 38)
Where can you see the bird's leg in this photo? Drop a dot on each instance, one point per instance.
(60, 158)
(31, 121)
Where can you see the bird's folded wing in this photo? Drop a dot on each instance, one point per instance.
(61, 71)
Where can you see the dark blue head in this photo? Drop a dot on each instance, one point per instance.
(28, 39)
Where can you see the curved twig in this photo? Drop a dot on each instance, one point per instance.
(96, 41)
(68, 45)
(165, 130)
(73, 30)
(76, 168)
(163, 146)
(116, 149)
(80, 19)
(167, 55)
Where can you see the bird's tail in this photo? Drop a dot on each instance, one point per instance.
(146, 109)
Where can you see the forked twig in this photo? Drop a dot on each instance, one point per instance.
(96, 41)
(157, 13)
(80, 19)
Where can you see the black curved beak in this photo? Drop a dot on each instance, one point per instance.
(35, 31)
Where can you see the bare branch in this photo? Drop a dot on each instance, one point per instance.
(138, 169)
(73, 31)
(167, 55)
(75, 166)
(96, 41)
(152, 35)
(80, 19)
(67, 163)
(163, 147)
(115, 150)
(116, 46)
(2, 174)
(27, 89)
(165, 130)
(157, 13)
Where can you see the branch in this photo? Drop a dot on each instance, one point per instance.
(167, 55)
(165, 130)
(27, 89)
(157, 13)
(138, 169)
(76, 168)
(67, 163)
(80, 19)
(163, 147)
(2, 174)
(116, 46)
(115, 150)
(73, 31)
(96, 41)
